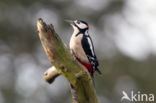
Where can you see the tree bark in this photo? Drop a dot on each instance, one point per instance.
(51, 74)
(81, 83)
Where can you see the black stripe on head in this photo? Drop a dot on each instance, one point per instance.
(84, 22)
(81, 21)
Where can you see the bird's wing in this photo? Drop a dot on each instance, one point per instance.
(88, 47)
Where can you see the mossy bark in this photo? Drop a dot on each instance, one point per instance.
(81, 83)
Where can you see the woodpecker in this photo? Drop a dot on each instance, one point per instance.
(82, 48)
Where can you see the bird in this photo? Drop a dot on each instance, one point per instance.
(81, 46)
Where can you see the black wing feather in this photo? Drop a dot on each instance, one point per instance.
(90, 51)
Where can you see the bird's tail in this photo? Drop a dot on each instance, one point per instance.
(92, 75)
(98, 71)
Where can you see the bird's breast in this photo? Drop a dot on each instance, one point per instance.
(75, 42)
(76, 47)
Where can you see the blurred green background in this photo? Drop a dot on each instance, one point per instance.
(124, 36)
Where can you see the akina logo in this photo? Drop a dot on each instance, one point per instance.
(137, 96)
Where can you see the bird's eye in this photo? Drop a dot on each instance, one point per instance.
(78, 22)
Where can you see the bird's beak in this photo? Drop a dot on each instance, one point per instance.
(69, 21)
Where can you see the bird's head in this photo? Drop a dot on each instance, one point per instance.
(79, 24)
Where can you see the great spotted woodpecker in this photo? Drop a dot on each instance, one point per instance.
(81, 46)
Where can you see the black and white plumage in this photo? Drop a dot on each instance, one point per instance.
(82, 48)
(87, 45)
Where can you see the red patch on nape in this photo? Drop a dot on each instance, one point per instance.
(87, 65)
(88, 26)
